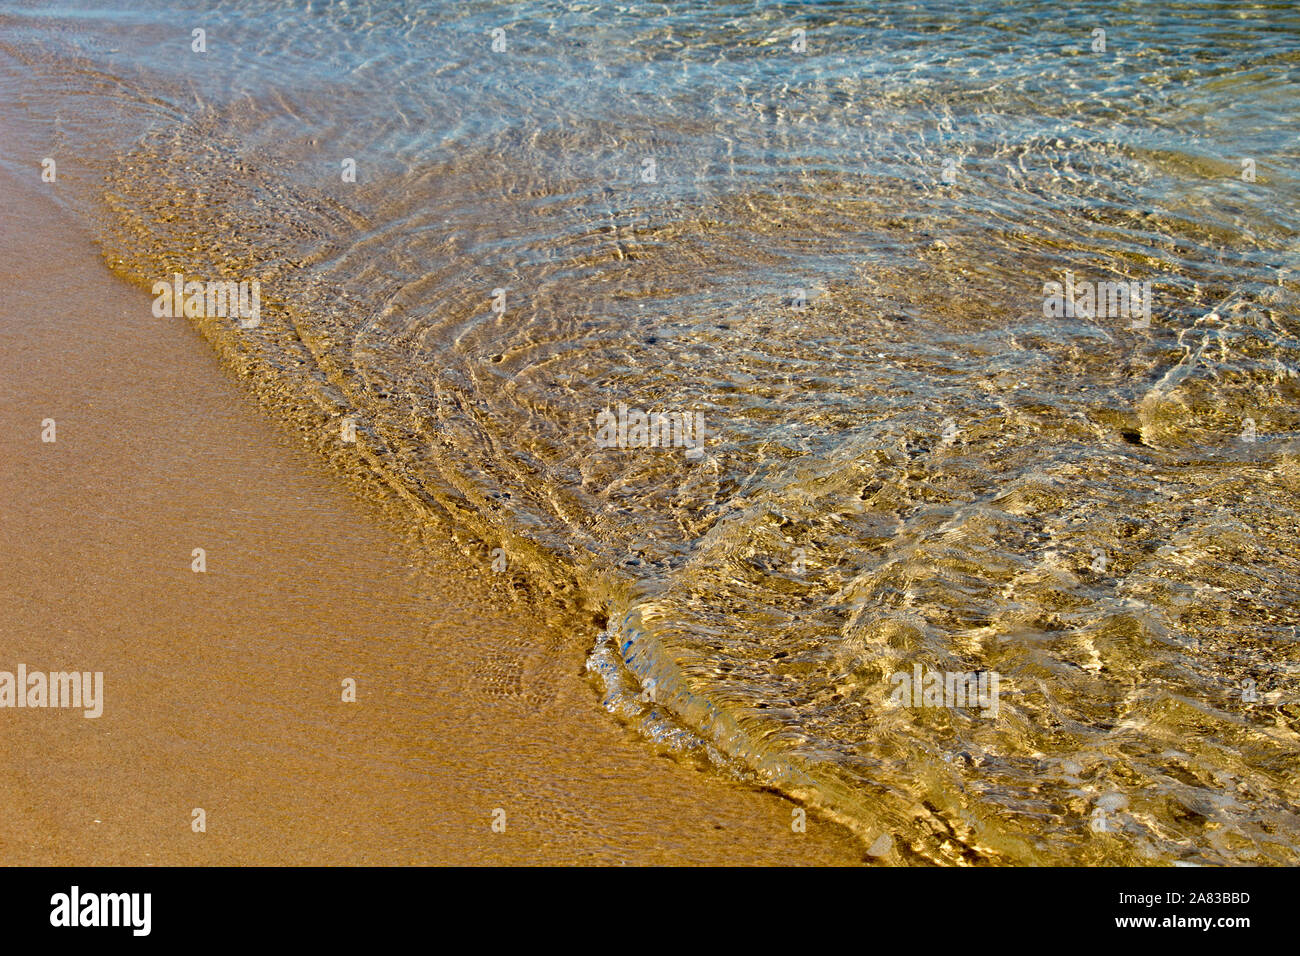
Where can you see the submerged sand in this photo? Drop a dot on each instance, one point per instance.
(223, 689)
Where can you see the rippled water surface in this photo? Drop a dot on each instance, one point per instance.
(837, 255)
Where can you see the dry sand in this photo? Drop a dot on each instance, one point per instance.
(223, 689)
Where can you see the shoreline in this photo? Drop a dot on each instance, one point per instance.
(222, 688)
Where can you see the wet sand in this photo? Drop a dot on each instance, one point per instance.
(223, 689)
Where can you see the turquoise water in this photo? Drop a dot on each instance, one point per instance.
(826, 230)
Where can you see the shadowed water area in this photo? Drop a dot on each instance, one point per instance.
(837, 255)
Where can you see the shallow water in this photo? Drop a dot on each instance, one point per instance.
(838, 257)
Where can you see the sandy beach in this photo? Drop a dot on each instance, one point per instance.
(223, 689)
(702, 434)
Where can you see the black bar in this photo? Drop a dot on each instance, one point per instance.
(366, 906)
